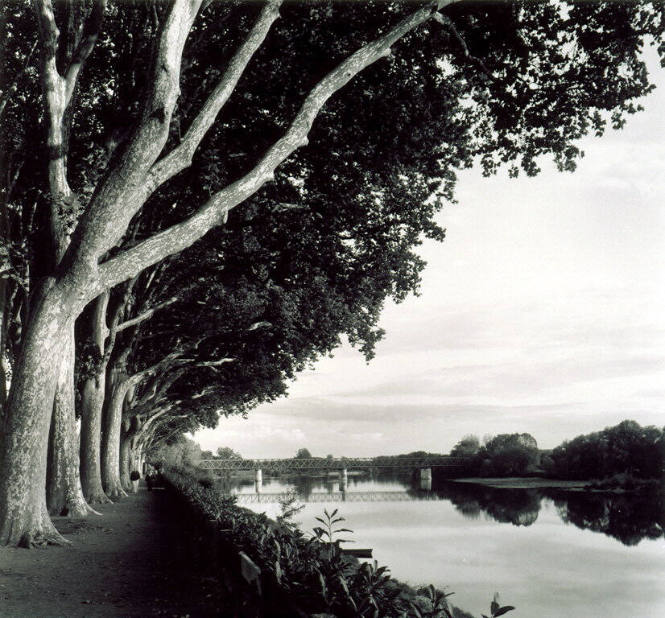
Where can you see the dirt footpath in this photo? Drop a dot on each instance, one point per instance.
(132, 561)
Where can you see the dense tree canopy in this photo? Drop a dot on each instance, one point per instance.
(624, 448)
(467, 447)
(508, 454)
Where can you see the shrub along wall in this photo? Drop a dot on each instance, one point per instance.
(300, 576)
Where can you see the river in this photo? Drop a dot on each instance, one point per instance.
(551, 553)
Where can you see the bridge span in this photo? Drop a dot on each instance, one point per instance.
(345, 463)
(340, 496)
(341, 465)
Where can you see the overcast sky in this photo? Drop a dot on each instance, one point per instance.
(542, 312)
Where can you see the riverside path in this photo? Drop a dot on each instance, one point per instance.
(134, 560)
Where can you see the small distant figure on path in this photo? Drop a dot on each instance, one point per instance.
(150, 479)
(134, 477)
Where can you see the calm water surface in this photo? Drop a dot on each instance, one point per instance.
(551, 553)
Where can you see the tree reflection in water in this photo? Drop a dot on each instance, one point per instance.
(519, 507)
(627, 517)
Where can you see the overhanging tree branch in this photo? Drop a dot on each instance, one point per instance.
(89, 37)
(444, 20)
(181, 157)
(58, 92)
(215, 211)
(145, 315)
(123, 191)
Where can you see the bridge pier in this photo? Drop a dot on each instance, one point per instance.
(343, 479)
(258, 480)
(426, 479)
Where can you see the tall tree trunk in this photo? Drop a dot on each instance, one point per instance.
(126, 452)
(4, 316)
(92, 403)
(24, 518)
(111, 435)
(64, 495)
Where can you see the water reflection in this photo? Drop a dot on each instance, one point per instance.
(519, 507)
(629, 517)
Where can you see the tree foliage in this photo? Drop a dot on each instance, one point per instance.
(624, 448)
(508, 455)
(467, 447)
(226, 452)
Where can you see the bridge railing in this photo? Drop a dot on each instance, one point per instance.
(281, 465)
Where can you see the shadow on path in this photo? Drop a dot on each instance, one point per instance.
(135, 560)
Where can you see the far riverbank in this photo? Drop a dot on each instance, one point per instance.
(524, 483)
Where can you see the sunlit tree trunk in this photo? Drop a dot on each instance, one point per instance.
(126, 454)
(64, 495)
(112, 418)
(23, 513)
(92, 403)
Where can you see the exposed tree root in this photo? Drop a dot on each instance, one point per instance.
(78, 510)
(43, 535)
(33, 540)
(92, 511)
(116, 492)
(98, 498)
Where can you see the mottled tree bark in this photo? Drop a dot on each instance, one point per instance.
(126, 457)
(64, 495)
(23, 514)
(92, 403)
(112, 420)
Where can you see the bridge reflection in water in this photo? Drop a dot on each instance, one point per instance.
(340, 496)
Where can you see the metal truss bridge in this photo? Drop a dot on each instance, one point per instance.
(341, 496)
(315, 463)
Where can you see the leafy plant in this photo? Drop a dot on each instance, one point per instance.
(437, 606)
(329, 531)
(496, 609)
(289, 508)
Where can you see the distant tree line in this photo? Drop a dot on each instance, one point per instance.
(626, 448)
(508, 454)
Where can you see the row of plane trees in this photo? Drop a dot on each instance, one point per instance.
(200, 198)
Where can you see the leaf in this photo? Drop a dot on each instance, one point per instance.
(322, 581)
(495, 603)
(503, 610)
(416, 610)
(345, 587)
